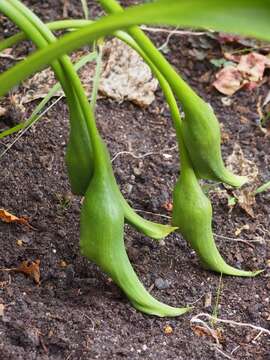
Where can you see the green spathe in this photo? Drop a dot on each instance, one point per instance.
(201, 134)
(102, 241)
(192, 213)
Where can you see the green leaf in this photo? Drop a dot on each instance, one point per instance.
(245, 17)
(263, 187)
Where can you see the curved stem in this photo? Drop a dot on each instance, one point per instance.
(39, 33)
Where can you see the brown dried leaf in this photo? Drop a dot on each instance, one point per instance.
(228, 80)
(10, 218)
(207, 332)
(246, 200)
(31, 269)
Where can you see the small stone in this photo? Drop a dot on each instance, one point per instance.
(137, 171)
(128, 188)
(162, 243)
(168, 330)
(2, 111)
(162, 284)
(63, 264)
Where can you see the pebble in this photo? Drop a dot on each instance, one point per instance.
(168, 330)
(137, 171)
(162, 284)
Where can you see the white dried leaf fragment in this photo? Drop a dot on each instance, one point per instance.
(126, 76)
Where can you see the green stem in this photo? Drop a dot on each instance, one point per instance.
(96, 77)
(35, 114)
(39, 33)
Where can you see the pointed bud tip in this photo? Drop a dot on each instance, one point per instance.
(234, 180)
(175, 312)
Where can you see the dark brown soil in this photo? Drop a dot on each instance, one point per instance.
(76, 312)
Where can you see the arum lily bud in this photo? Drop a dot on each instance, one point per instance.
(192, 213)
(202, 138)
(102, 241)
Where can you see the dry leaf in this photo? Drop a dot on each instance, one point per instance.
(238, 164)
(247, 73)
(225, 136)
(207, 332)
(126, 76)
(228, 80)
(30, 268)
(10, 218)
(253, 66)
